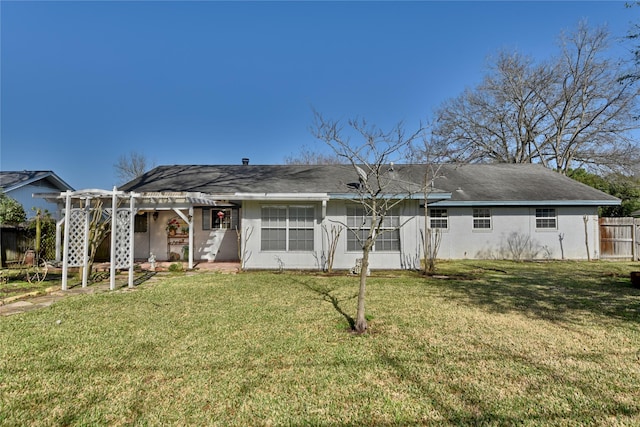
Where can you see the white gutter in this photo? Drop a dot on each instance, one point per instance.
(307, 197)
(406, 196)
(457, 203)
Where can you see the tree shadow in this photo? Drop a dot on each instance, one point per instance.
(552, 295)
(325, 294)
(460, 403)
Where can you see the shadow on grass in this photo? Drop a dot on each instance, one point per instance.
(325, 294)
(548, 293)
(460, 402)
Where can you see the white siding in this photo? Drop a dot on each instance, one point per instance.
(517, 225)
(459, 241)
(344, 259)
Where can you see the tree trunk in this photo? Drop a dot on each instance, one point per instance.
(361, 320)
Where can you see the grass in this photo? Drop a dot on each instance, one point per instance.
(13, 282)
(484, 343)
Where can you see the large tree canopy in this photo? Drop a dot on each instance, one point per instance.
(570, 111)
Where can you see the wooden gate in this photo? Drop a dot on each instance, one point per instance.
(619, 238)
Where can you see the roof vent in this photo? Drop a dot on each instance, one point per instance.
(245, 161)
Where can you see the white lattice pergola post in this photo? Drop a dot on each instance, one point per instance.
(85, 261)
(65, 247)
(122, 239)
(189, 220)
(132, 221)
(75, 238)
(114, 224)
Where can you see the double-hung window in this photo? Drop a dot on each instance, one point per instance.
(359, 225)
(287, 228)
(438, 218)
(301, 219)
(546, 219)
(481, 218)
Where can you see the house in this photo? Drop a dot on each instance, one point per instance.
(287, 216)
(21, 185)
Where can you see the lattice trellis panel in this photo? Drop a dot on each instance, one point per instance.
(123, 238)
(77, 237)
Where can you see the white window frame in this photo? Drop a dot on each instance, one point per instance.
(436, 222)
(361, 223)
(546, 219)
(227, 220)
(290, 226)
(482, 216)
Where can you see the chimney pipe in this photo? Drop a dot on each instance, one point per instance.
(245, 161)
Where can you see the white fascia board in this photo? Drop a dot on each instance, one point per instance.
(414, 196)
(307, 197)
(454, 203)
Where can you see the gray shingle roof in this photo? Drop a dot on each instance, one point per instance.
(10, 180)
(526, 183)
(499, 183)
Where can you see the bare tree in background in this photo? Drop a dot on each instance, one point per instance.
(572, 111)
(307, 156)
(378, 191)
(432, 155)
(131, 166)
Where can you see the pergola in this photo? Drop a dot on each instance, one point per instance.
(119, 209)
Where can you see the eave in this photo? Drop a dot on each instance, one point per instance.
(465, 203)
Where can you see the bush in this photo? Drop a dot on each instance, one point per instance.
(176, 268)
(11, 211)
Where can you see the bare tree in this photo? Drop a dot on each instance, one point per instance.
(333, 237)
(378, 191)
(307, 156)
(572, 111)
(632, 37)
(433, 156)
(131, 166)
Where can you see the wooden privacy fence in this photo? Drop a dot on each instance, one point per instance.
(14, 242)
(620, 238)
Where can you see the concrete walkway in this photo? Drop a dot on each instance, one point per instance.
(24, 303)
(28, 302)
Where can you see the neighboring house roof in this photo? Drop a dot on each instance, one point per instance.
(12, 180)
(477, 184)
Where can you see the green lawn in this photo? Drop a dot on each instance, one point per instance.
(485, 343)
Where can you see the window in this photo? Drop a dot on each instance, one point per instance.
(140, 223)
(389, 240)
(274, 228)
(481, 218)
(546, 218)
(287, 228)
(219, 218)
(359, 225)
(301, 220)
(438, 218)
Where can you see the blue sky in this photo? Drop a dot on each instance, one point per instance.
(209, 82)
